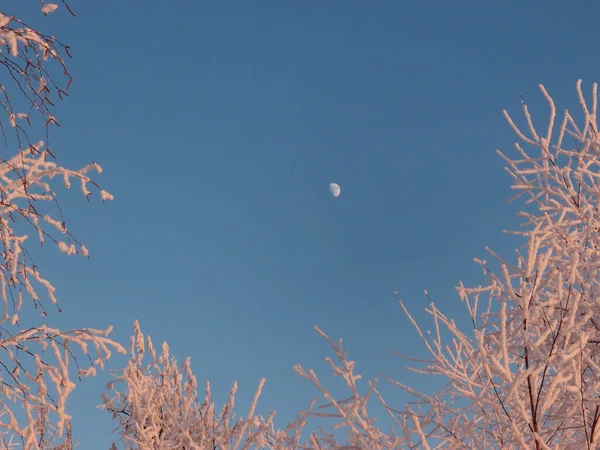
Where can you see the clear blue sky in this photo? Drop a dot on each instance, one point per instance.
(220, 125)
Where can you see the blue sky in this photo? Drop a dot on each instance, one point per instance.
(219, 127)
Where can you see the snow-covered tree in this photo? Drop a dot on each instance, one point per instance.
(35, 374)
(525, 375)
(158, 406)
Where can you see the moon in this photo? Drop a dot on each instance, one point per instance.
(335, 189)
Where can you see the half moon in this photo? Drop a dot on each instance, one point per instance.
(335, 189)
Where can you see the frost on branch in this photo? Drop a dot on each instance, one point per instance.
(25, 56)
(24, 185)
(35, 376)
(34, 364)
(157, 406)
(353, 429)
(35, 77)
(29, 379)
(528, 374)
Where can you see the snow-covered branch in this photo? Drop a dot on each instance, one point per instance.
(158, 406)
(527, 375)
(35, 374)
